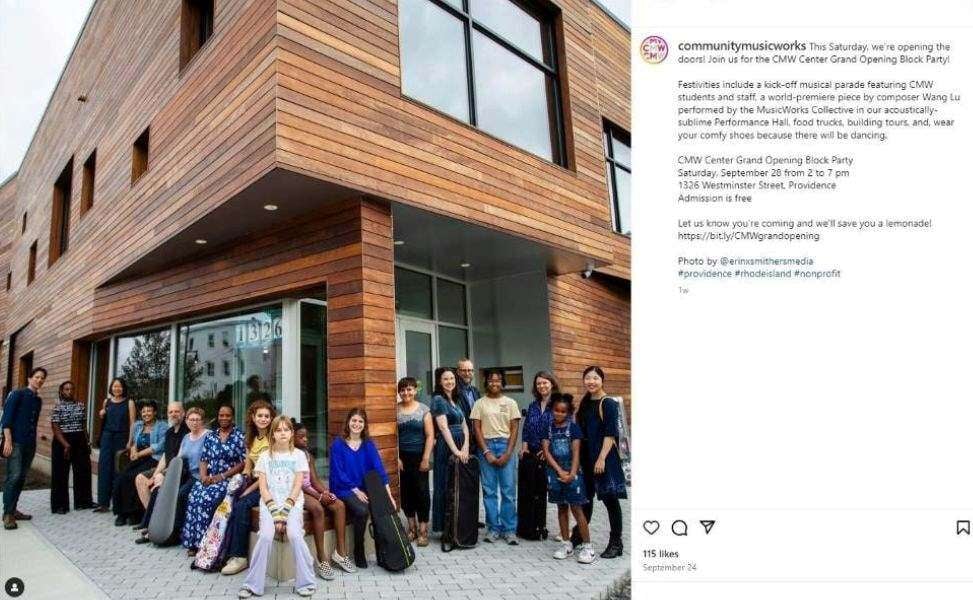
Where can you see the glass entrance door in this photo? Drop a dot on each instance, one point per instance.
(417, 349)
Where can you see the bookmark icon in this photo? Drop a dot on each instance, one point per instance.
(962, 527)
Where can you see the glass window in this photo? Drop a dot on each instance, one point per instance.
(452, 345)
(210, 340)
(254, 358)
(515, 100)
(618, 158)
(413, 294)
(621, 151)
(434, 57)
(623, 192)
(314, 382)
(418, 352)
(513, 23)
(451, 302)
(143, 362)
(509, 63)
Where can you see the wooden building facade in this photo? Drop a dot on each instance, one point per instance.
(231, 198)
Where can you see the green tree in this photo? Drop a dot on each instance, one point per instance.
(146, 370)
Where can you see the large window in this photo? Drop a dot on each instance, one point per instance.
(251, 362)
(490, 63)
(142, 360)
(618, 157)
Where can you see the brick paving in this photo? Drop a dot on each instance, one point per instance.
(124, 570)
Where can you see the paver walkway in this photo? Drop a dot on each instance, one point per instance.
(111, 563)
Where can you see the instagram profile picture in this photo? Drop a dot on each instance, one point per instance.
(654, 49)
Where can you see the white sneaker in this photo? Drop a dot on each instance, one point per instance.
(586, 555)
(564, 551)
(558, 538)
(492, 537)
(245, 592)
(306, 591)
(344, 563)
(234, 565)
(324, 570)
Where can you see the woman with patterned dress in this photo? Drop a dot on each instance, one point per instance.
(222, 457)
(452, 438)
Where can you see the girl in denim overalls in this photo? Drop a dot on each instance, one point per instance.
(562, 448)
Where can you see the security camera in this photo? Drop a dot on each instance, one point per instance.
(588, 271)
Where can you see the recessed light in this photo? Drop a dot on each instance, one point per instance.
(464, 265)
(201, 241)
(399, 242)
(270, 207)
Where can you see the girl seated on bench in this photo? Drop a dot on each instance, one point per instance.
(280, 473)
(317, 499)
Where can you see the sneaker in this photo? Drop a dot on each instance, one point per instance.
(511, 540)
(586, 555)
(558, 538)
(306, 591)
(245, 592)
(492, 537)
(564, 551)
(324, 570)
(234, 565)
(344, 563)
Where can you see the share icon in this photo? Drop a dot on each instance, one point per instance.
(707, 525)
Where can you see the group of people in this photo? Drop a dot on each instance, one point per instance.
(576, 439)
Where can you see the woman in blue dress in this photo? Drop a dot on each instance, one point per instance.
(222, 458)
(452, 438)
(118, 414)
(600, 462)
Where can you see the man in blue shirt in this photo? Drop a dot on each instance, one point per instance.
(467, 391)
(19, 423)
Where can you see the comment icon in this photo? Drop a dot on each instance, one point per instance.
(680, 528)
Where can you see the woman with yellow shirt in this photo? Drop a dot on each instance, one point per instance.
(259, 416)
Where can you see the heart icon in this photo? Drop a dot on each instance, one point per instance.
(650, 527)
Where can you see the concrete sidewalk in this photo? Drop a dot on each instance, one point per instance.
(83, 555)
(47, 574)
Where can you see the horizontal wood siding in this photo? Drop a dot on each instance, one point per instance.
(591, 325)
(212, 134)
(8, 233)
(342, 117)
(361, 335)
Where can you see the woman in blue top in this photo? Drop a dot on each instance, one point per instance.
(118, 414)
(222, 458)
(538, 414)
(600, 461)
(353, 455)
(146, 446)
(452, 439)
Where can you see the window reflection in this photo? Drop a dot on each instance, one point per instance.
(514, 24)
(251, 362)
(434, 57)
(143, 361)
(514, 100)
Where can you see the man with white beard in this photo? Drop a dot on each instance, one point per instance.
(177, 430)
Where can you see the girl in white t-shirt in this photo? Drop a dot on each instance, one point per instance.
(280, 472)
